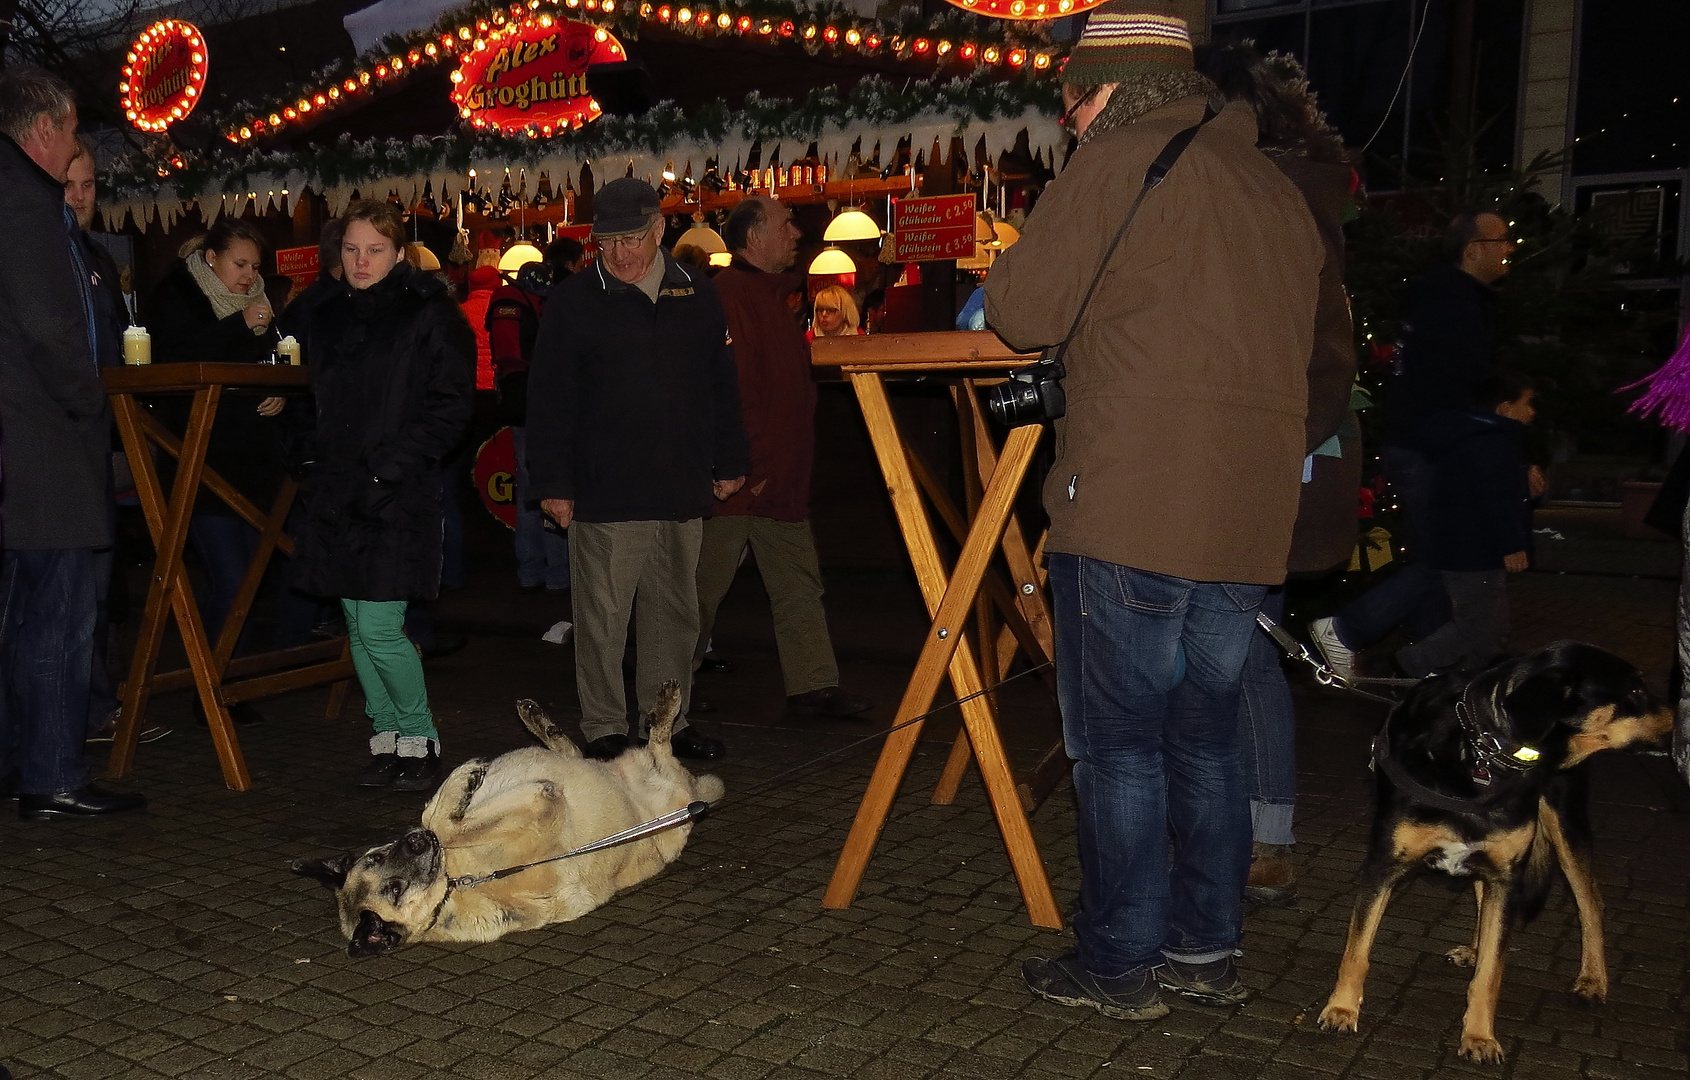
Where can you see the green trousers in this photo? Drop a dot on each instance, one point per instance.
(646, 570)
(786, 559)
(389, 669)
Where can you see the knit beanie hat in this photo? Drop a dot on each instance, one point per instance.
(1126, 38)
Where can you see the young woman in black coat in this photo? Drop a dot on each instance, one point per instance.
(393, 378)
(211, 308)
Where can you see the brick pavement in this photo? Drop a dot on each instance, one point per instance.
(176, 943)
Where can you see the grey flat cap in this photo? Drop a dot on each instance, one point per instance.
(624, 206)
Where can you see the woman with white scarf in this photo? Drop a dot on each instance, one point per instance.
(211, 308)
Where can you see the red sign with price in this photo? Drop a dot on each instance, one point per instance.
(932, 228)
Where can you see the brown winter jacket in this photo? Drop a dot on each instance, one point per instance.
(1325, 532)
(1183, 445)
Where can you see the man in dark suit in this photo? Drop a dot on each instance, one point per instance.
(56, 453)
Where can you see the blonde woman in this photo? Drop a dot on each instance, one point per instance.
(834, 314)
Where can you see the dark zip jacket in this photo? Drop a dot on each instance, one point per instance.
(1480, 503)
(633, 406)
(1446, 351)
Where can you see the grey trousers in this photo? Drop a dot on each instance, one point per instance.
(647, 570)
(786, 559)
(1476, 632)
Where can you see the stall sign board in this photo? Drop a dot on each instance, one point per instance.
(532, 76)
(300, 264)
(931, 228)
(495, 476)
(163, 74)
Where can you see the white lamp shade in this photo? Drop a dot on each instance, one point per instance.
(851, 225)
(520, 254)
(704, 238)
(833, 261)
(721, 258)
(982, 229)
(1007, 234)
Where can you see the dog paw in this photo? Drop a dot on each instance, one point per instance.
(1339, 1018)
(1591, 989)
(1481, 1049)
(1462, 956)
(474, 773)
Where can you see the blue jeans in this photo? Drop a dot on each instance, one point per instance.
(1267, 735)
(1148, 670)
(542, 550)
(47, 611)
(225, 545)
(1413, 596)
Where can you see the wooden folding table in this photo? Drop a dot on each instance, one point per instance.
(219, 679)
(983, 613)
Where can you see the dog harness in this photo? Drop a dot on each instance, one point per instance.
(1491, 751)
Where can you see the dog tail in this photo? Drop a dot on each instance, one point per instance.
(544, 728)
(1531, 886)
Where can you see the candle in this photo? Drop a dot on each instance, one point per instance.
(137, 346)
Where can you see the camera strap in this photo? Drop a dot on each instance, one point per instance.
(1153, 177)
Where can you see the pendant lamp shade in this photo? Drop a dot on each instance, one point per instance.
(704, 238)
(833, 261)
(851, 225)
(520, 254)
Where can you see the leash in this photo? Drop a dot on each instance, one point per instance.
(695, 810)
(1295, 650)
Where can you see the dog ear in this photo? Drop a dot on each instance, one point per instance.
(330, 871)
(374, 935)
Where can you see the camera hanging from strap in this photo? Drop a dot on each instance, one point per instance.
(1034, 393)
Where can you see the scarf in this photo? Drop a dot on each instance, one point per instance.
(1134, 97)
(224, 301)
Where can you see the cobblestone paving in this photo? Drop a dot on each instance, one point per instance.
(176, 943)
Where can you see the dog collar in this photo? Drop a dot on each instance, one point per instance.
(1492, 749)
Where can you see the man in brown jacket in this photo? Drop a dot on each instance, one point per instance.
(771, 513)
(1172, 496)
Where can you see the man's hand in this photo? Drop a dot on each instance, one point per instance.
(561, 511)
(1536, 485)
(724, 489)
(1515, 563)
(270, 406)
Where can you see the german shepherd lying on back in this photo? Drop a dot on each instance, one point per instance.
(1486, 778)
(527, 805)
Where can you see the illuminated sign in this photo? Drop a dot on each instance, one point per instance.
(163, 74)
(532, 75)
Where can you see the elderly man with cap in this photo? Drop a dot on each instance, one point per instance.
(633, 432)
(1172, 496)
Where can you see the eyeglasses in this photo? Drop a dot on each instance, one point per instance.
(1066, 120)
(826, 310)
(1495, 240)
(627, 242)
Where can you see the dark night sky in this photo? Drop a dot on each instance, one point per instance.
(1634, 63)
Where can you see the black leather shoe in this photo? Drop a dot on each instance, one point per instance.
(701, 707)
(418, 773)
(87, 801)
(379, 772)
(828, 701)
(443, 645)
(694, 745)
(715, 665)
(607, 747)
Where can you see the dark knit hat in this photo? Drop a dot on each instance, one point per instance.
(624, 206)
(1126, 38)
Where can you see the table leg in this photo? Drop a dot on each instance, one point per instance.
(950, 602)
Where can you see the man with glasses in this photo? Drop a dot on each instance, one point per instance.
(633, 432)
(1172, 496)
(1444, 356)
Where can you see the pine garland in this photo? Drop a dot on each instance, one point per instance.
(873, 103)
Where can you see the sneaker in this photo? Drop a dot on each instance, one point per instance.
(1273, 880)
(1132, 996)
(108, 732)
(1339, 657)
(1214, 983)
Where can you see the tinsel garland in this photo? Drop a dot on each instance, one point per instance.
(873, 104)
(825, 26)
(1668, 390)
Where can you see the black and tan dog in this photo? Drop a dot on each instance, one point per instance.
(522, 808)
(1485, 778)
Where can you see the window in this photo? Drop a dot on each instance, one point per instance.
(1357, 53)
